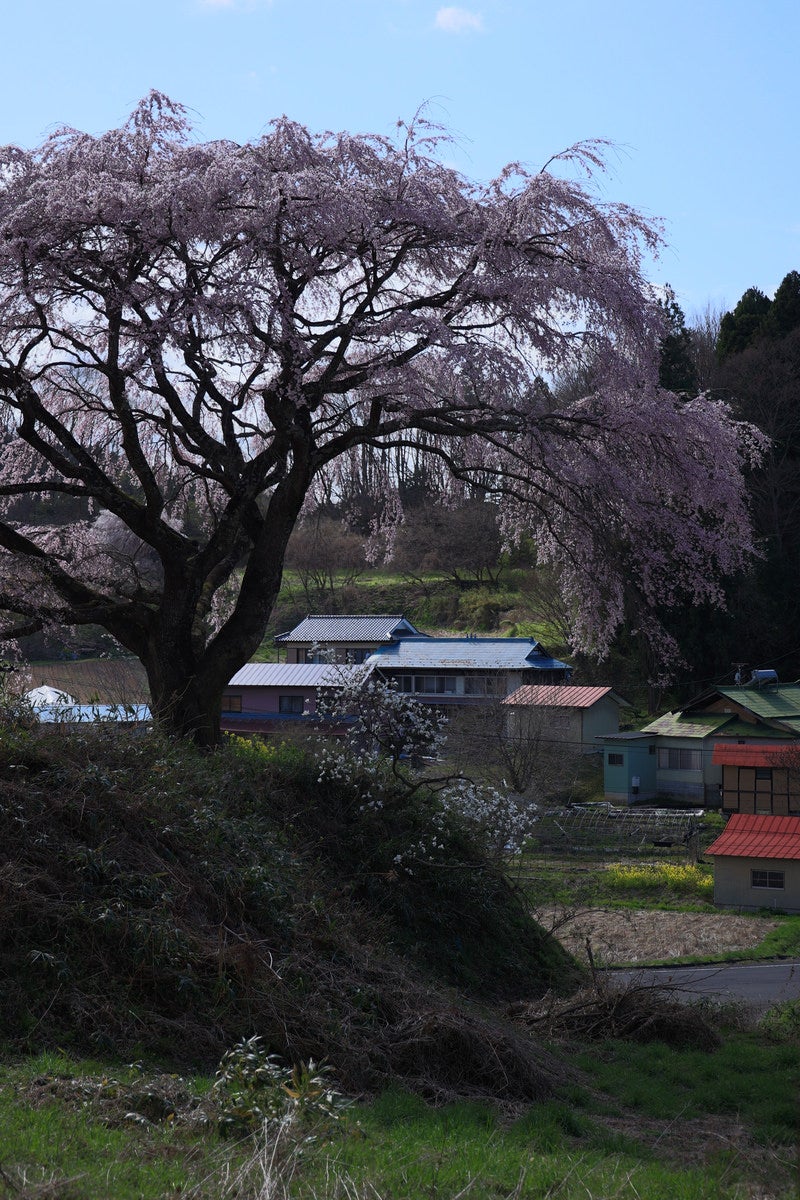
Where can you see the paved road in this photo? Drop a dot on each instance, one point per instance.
(759, 984)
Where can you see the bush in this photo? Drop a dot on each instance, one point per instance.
(157, 902)
(782, 1022)
(254, 1087)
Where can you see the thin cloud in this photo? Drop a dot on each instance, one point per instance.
(458, 20)
(235, 5)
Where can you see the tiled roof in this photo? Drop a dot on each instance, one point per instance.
(351, 628)
(295, 674)
(693, 725)
(555, 695)
(485, 654)
(752, 836)
(726, 754)
(628, 735)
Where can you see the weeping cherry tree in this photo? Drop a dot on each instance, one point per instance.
(197, 338)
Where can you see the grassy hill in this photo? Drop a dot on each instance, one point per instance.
(160, 903)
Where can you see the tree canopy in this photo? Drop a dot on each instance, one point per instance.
(756, 317)
(677, 370)
(197, 338)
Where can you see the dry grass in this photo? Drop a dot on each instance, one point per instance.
(646, 935)
(634, 1012)
(104, 681)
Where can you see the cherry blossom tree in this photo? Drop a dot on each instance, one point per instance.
(193, 336)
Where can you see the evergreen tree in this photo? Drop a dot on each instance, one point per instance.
(784, 313)
(676, 369)
(740, 328)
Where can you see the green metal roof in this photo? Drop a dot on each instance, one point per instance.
(770, 703)
(790, 723)
(698, 725)
(744, 729)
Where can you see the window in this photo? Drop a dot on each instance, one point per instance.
(766, 879)
(476, 685)
(441, 685)
(764, 773)
(670, 759)
(231, 703)
(616, 760)
(291, 704)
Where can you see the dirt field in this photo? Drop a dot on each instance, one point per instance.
(631, 936)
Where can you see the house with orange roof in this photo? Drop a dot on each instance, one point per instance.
(757, 862)
(575, 715)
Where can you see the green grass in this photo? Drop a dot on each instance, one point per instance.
(79, 1148)
(434, 602)
(749, 1076)
(640, 883)
(397, 1147)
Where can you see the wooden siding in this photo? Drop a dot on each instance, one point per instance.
(743, 791)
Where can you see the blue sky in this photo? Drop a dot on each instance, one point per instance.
(700, 97)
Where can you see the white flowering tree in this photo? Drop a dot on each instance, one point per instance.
(390, 736)
(196, 337)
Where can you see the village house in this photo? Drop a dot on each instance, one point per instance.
(344, 638)
(443, 671)
(573, 715)
(466, 671)
(714, 751)
(262, 696)
(757, 862)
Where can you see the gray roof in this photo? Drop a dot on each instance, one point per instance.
(486, 654)
(358, 628)
(295, 675)
(631, 735)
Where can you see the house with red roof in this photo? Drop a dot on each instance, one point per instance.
(574, 715)
(757, 862)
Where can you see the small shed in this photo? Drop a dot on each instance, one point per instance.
(757, 862)
(573, 715)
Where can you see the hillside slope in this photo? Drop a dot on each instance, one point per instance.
(154, 902)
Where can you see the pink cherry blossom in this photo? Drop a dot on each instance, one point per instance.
(196, 339)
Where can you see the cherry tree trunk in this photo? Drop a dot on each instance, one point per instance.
(185, 703)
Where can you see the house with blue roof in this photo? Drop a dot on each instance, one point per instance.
(263, 696)
(444, 671)
(344, 638)
(466, 670)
